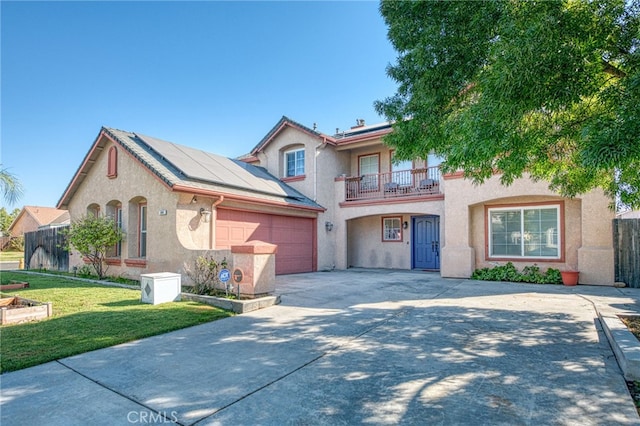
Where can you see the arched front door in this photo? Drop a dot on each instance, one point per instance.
(426, 242)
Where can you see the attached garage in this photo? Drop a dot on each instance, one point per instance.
(295, 236)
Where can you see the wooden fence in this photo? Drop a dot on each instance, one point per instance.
(626, 246)
(43, 249)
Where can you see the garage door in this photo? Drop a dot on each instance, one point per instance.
(293, 235)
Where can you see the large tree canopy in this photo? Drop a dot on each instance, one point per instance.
(548, 88)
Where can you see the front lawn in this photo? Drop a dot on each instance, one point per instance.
(86, 317)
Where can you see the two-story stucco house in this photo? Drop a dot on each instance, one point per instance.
(331, 201)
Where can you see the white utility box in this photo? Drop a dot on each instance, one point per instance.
(160, 287)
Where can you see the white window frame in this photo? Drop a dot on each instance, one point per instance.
(391, 232)
(118, 220)
(552, 240)
(299, 162)
(142, 231)
(369, 180)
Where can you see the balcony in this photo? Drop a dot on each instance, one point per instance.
(398, 184)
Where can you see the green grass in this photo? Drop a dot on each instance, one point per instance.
(11, 255)
(86, 317)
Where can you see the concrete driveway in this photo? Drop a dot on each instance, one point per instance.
(354, 347)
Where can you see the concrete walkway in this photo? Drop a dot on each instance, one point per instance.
(355, 347)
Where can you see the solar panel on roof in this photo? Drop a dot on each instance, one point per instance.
(208, 167)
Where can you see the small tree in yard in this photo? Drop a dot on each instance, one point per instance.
(93, 237)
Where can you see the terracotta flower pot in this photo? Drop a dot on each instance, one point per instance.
(569, 277)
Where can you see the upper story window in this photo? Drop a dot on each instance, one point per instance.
(112, 164)
(401, 171)
(369, 168)
(369, 164)
(525, 232)
(434, 160)
(294, 162)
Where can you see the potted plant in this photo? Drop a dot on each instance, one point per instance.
(569, 277)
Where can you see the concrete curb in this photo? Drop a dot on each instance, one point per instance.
(10, 265)
(237, 306)
(625, 345)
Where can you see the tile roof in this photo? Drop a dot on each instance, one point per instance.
(42, 216)
(182, 166)
(47, 215)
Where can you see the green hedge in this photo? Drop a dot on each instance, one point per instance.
(508, 272)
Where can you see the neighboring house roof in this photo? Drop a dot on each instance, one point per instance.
(185, 169)
(282, 124)
(40, 216)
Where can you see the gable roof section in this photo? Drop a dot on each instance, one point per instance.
(47, 215)
(183, 168)
(42, 216)
(283, 123)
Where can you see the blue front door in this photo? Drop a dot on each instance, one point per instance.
(426, 242)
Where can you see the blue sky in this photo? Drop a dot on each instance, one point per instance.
(212, 75)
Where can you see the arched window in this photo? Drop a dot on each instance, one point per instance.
(93, 210)
(114, 210)
(112, 165)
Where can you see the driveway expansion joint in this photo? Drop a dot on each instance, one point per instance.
(123, 395)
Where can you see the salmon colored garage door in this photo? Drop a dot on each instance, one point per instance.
(293, 235)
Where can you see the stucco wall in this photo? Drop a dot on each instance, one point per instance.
(174, 229)
(367, 250)
(26, 223)
(588, 245)
(358, 231)
(571, 238)
(322, 164)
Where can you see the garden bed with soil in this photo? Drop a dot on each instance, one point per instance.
(16, 309)
(238, 306)
(633, 325)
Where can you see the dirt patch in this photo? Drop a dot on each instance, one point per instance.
(633, 324)
(17, 310)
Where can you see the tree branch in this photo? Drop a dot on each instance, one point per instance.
(610, 69)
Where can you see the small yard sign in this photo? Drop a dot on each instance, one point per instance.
(224, 275)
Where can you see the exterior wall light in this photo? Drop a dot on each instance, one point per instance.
(206, 215)
(405, 225)
(328, 226)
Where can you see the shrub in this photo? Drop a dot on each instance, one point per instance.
(17, 243)
(85, 271)
(508, 272)
(204, 274)
(93, 236)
